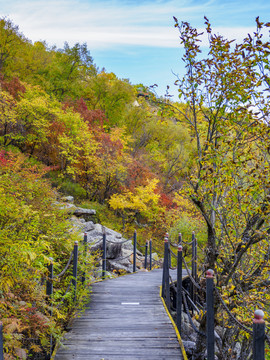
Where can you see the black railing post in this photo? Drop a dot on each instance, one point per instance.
(145, 255)
(150, 255)
(210, 326)
(195, 270)
(194, 266)
(169, 252)
(1, 342)
(75, 269)
(258, 336)
(179, 289)
(164, 270)
(104, 255)
(49, 284)
(180, 239)
(49, 292)
(165, 277)
(85, 253)
(134, 250)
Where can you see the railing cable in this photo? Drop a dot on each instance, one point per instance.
(189, 317)
(190, 276)
(66, 267)
(118, 242)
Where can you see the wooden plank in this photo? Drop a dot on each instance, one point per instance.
(112, 330)
(117, 357)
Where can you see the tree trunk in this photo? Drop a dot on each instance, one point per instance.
(211, 255)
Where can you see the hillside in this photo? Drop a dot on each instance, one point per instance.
(143, 163)
(66, 125)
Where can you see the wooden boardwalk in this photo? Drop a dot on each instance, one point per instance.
(125, 320)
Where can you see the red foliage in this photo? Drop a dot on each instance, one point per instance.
(166, 200)
(138, 174)
(109, 147)
(97, 117)
(3, 158)
(34, 319)
(49, 153)
(47, 169)
(56, 128)
(13, 86)
(92, 117)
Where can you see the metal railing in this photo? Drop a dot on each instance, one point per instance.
(182, 297)
(190, 300)
(73, 259)
(147, 252)
(71, 268)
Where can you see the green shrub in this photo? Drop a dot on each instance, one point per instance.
(71, 188)
(66, 185)
(186, 225)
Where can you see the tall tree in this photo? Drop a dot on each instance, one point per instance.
(228, 183)
(10, 42)
(7, 116)
(66, 73)
(111, 95)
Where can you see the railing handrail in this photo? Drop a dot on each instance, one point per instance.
(66, 267)
(258, 331)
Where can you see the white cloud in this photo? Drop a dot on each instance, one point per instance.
(106, 24)
(106, 38)
(135, 39)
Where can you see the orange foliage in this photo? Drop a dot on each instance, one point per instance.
(109, 147)
(167, 201)
(138, 173)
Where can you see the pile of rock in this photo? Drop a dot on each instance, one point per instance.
(119, 250)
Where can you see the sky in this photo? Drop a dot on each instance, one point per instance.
(135, 39)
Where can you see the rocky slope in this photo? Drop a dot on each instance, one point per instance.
(119, 250)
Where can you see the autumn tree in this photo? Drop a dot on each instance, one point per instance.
(110, 94)
(160, 142)
(65, 70)
(141, 203)
(10, 41)
(7, 116)
(32, 229)
(226, 111)
(33, 62)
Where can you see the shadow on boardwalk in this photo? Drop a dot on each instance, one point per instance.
(125, 320)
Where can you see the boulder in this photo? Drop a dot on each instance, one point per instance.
(187, 328)
(69, 199)
(139, 263)
(128, 245)
(118, 267)
(126, 253)
(113, 250)
(113, 240)
(77, 224)
(109, 275)
(119, 251)
(83, 212)
(70, 208)
(88, 226)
